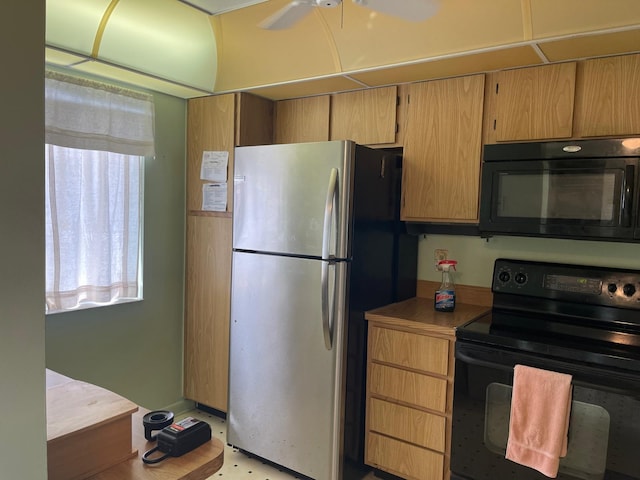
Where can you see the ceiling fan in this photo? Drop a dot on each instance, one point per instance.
(412, 10)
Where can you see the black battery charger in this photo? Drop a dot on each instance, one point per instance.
(179, 438)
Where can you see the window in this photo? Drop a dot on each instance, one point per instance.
(97, 137)
(93, 218)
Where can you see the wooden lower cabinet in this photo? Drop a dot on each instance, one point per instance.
(207, 310)
(409, 402)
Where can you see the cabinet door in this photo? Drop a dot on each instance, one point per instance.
(302, 120)
(254, 120)
(441, 166)
(607, 97)
(367, 117)
(207, 310)
(210, 126)
(535, 103)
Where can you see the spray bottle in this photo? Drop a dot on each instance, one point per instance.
(445, 298)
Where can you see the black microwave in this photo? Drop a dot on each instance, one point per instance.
(586, 189)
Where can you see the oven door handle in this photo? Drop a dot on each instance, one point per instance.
(583, 375)
(463, 355)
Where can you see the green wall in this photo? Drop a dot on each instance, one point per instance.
(475, 256)
(135, 349)
(22, 337)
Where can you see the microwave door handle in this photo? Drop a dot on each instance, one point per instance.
(627, 198)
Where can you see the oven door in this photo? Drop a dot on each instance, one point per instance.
(604, 430)
(577, 198)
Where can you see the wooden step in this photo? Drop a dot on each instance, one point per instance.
(88, 428)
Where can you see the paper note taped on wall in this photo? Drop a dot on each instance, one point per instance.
(214, 197)
(214, 166)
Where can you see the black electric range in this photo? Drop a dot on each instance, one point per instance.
(574, 319)
(572, 312)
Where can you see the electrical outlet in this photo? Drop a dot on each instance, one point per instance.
(439, 254)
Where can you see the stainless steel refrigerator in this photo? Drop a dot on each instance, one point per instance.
(316, 242)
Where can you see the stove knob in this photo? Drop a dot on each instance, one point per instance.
(612, 287)
(520, 278)
(504, 277)
(629, 290)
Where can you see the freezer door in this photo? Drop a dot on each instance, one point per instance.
(285, 397)
(288, 198)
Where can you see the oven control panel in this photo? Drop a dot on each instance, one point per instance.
(573, 283)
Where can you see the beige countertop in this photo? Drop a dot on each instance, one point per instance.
(418, 314)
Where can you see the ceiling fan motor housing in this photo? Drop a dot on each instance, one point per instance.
(328, 3)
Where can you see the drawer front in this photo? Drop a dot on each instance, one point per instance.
(409, 350)
(404, 423)
(403, 459)
(409, 387)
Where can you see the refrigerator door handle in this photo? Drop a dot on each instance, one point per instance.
(331, 210)
(327, 312)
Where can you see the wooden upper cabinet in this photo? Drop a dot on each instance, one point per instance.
(365, 116)
(220, 123)
(254, 120)
(302, 120)
(210, 127)
(442, 153)
(607, 96)
(535, 103)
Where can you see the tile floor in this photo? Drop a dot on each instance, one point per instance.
(237, 465)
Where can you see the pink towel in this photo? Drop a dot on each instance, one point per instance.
(540, 406)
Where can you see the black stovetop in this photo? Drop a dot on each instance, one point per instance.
(620, 350)
(566, 312)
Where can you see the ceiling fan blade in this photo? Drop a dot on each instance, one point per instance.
(412, 10)
(289, 15)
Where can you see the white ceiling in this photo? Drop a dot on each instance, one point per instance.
(172, 47)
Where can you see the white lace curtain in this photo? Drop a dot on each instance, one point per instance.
(90, 115)
(96, 137)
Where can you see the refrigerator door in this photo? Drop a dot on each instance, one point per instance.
(285, 393)
(288, 198)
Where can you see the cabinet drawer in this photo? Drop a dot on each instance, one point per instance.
(410, 350)
(409, 387)
(404, 423)
(401, 458)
